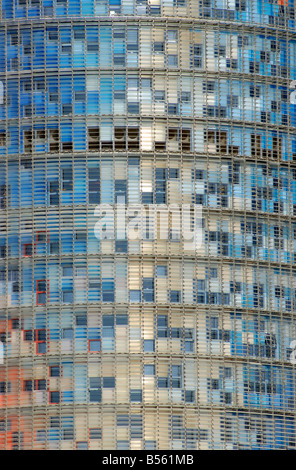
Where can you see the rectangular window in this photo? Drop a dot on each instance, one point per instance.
(54, 371)
(95, 393)
(54, 140)
(95, 433)
(40, 340)
(94, 345)
(27, 249)
(148, 289)
(93, 139)
(136, 395)
(94, 185)
(67, 296)
(53, 188)
(54, 397)
(67, 179)
(41, 291)
(108, 382)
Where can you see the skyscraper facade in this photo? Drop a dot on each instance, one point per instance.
(121, 342)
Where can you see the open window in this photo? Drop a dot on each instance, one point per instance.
(133, 138)
(2, 139)
(28, 141)
(120, 138)
(94, 139)
(54, 140)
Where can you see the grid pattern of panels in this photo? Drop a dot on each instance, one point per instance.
(144, 343)
(274, 13)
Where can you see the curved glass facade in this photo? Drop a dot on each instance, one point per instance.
(125, 343)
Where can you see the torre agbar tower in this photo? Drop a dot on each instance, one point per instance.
(121, 342)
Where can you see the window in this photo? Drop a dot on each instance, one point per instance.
(149, 345)
(136, 395)
(220, 51)
(162, 326)
(40, 384)
(66, 109)
(2, 139)
(95, 394)
(95, 433)
(136, 427)
(173, 108)
(209, 87)
(66, 48)
(28, 335)
(41, 237)
(172, 60)
(159, 95)
(81, 320)
(176, 376)
(172, 35)
(94, 139)
(94, 345)
(67, 333)
(148, 289)
(185, 97)
(79, 34)
(67, 179)
(14, 39)
(80, 236)
(149, 369)
(40, 340)
(108, 382)
(94, 185)
(83, 445)
(28, 385)
(68, 433)
(150, 445)
(5, 387)
(197, 55)
(67, 270)
(175, 296)
(120, 191)
(123, 445)
(54, 397)
(189, 396)
(119, 59)
(2, 251)
(159, 47)
(133, 108)
(54, 97)
(67, 296)
(121, 246)
(232, 101)
(54, 371)
(52, 35)
(213, 273)
(40, 435)
(4, 196)
(122, 420)
(108, 290)
(54, 248)
(41, 291)
(80, 96)
(135, 295)
(162, 271)
(53, 192)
